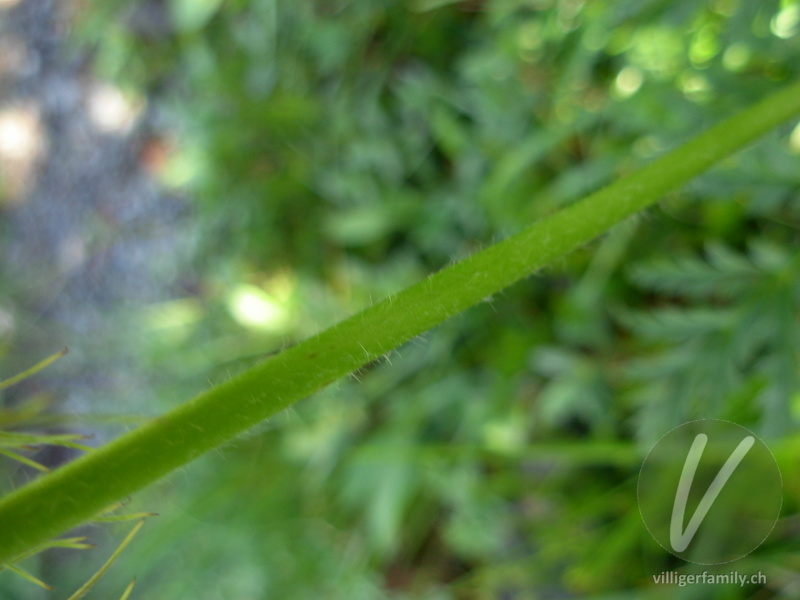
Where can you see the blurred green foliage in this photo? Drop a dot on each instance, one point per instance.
(339, 151)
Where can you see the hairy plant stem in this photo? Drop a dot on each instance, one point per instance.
(78, 491)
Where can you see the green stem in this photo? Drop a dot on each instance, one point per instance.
(81, 489)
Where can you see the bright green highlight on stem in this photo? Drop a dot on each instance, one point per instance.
(83, 488)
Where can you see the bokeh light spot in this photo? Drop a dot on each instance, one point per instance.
(628, 81)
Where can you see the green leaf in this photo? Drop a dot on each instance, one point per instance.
(33, 370)
(192, 15)
(24, 460)
(725, 273)
(22, 573)
(84, 589)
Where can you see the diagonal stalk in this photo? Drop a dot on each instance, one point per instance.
(86, 486)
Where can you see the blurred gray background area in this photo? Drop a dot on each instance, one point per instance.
(87, 237)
